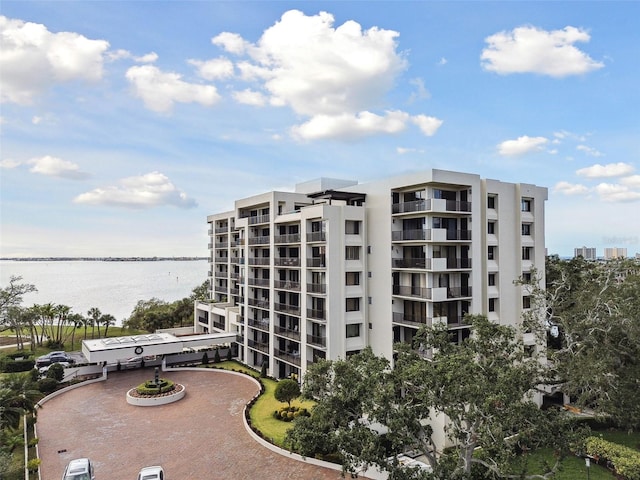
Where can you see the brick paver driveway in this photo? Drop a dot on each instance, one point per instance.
(201, 437)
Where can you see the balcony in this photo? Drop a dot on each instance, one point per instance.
(262, 240)
(259, 282)
(315, 314)
(255, 219)
(410, 320)
(320, 288)
(317, 262)
(414, 206)
(458, 292)
(219, 325)
(224, 229)
(289, 238)
(221, 259)
(287, 285)
(409, 235)
(262, 324)
(317, 340)
(316, 237)
(261, 303)
(431, 205)
(287, 308)
(220, 289)
(222, 244)
(431, 235)
(262, 346)
(293, 334)
(410, 263)
(287, 262)
(410, 291)
(258, 260)
(291, 357)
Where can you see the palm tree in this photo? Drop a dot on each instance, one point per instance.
(94, 314)
(24, 394)
(62, 312)
(9, 414)
(76, 319)
(107, 320)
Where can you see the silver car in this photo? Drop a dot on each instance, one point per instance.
(79, 469)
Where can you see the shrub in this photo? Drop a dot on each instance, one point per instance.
(150, 388)
(205, 359)
(33, 465)
(33, 442)
(263, 370)
(229, 356)
(625, 460)
(14, 366)
(47, 385)
(216, 357)
(56, 371)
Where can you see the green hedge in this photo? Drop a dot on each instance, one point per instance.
(150, 388)
(625, 460)
(9, 365)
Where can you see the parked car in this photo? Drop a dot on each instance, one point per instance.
(53, 357)
(133, 362)
(45, 369)
(79, 469)
(151, 473)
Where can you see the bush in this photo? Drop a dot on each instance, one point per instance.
(33, 442)
(33, 465)
(625, 460)
(229, 356)
(205, 359)
(56, 371)
(216, 357)
(150, 388)
(10, 365)
(47, 385)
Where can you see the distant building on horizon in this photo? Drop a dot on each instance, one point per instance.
(615, 252)
(588, 253)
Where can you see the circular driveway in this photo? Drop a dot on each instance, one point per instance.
(201, 436)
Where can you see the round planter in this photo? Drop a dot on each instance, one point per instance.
(133, 398)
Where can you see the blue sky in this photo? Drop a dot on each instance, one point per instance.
(124, 124)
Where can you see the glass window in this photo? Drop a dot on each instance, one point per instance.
(527, 253)
(526, 229)
(352, 253)
(352, 278)
(492, 279)
(526, 302)
(491, 201)
(492, 253)
(491, 228)
(525, 204)
(353, 330)
(493, 302)
(352, 227)
(353, 304)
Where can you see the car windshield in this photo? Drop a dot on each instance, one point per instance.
(153, 476)
(78, 476)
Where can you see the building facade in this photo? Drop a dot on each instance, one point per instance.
(588, 253)
(615, 252)
(335, 266)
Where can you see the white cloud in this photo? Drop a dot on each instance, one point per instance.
(120, 54)
(56, 57)
(159, 90)
(567, 188)
(589, 150)
(421, 92)
(529, 49)
(348, 127)
(605, 171)
(335, 76)
(521, 145)
(9, 163)
(146, 191)
(36, 120)
(443, 61)
(403, 150)
(56, 167)
(616, 193)
(250, 97)
(428, 125)
(632, 181)
(214, 69)
(231, 42)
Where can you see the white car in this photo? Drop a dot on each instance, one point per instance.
(79, 469)
(151, 473)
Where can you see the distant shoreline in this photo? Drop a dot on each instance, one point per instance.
(101, 259)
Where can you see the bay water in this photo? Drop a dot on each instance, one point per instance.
(115, 287)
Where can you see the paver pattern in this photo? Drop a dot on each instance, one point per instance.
(199, 437)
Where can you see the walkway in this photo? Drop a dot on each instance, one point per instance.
(201, 436)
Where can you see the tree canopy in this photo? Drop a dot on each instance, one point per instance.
(287, 390)
(480, 389)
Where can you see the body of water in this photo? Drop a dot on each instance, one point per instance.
(115, 287)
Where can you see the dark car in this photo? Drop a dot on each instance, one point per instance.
(53, 357)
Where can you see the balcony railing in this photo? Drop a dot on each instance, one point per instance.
(317, 288)
(410, 262)
(287, 308)
(414, 206)
(262, 240)
(253, 220)
(316, 262)
(458, 292)
(316, 237)
(258, 260)
(222, 244)
(410, 291)
(287, 285)
(224, 229)
(429, 235)
(288, 238)
(219, 325)
(317, 340)
(262, 346)
(259, 282)
(262, 324)
(458, 206)
(221, 259)
(287, 332)
(316, 314)
(287, 262)
(409, 235)
(254, 302)
(290, 357)
(409, 319)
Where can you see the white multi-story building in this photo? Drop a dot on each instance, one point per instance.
(615, 252)
(588, 253)
(335, 266)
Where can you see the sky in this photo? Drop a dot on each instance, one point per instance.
(123, 124)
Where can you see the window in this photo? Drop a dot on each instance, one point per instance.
(492, 279)
(526, 302)
(352, 278)
(527, 253)
(491, 228)
(491, 201)
(525, 204)
(526, 277)
(353, 304)
(353, 330)
(493, 303)
(352, 227)
(492, 253)
(526, 229)
(352, 253)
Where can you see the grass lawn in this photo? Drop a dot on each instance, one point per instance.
(572, 468)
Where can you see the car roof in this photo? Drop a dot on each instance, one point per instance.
(153, 469)
(81, 464)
